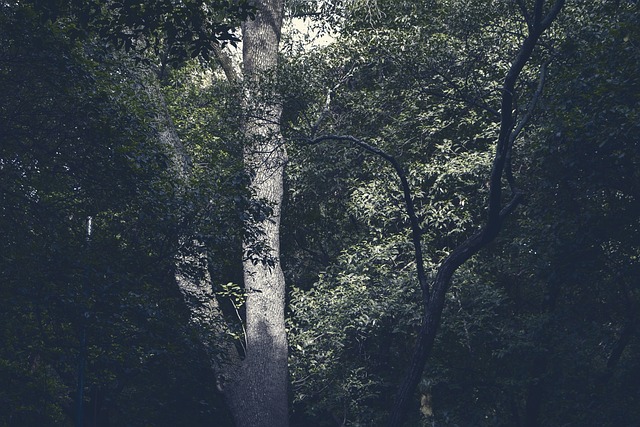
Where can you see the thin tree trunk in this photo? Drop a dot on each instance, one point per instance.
(433, 299)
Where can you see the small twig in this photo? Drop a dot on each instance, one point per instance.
(532, 104)
(243, 342)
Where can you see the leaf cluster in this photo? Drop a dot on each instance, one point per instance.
(176, 30)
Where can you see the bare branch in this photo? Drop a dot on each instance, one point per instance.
(537, 14)
(551, 16)
(532, 104)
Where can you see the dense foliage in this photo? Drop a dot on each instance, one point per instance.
(423, 86)
(539, 329)
(95, 300)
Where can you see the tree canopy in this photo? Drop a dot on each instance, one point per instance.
(134, 156)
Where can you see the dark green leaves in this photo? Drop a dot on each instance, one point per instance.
(175, 29)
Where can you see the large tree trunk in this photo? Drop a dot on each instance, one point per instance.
(256, 387)
(258, 397)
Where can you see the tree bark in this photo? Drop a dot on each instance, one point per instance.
(255, 388)
(258, 396)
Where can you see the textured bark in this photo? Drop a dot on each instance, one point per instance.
(255, 388)
(258, 396)
(190, 269)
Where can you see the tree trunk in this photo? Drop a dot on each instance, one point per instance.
(258, 397)
(433, 299)
(255, 388)
(191, 270)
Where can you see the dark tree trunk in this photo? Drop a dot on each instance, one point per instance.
(434, 297)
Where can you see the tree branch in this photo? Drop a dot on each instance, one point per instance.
(226, 63)
(537, 14)
(416, 232)
(525, 13)
(432, 311)
(551, 15)
(532, 104)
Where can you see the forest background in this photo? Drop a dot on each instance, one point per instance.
(195, 236)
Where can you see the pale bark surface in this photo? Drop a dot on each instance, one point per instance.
(258, 397)
(256, 387)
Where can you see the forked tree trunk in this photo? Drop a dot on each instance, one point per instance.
(256, 387)
(538, 21)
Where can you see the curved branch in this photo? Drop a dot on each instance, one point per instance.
(497, 214)
(416, 231)
(507, 122)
